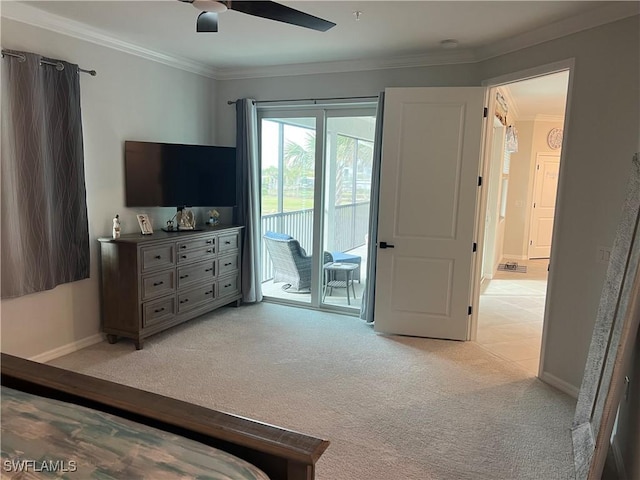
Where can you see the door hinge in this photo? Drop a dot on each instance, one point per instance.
(538, 167)
(534, 204)
(479, 181)
(530, 242)
(485, 112)
(470, 310)
(475, 247)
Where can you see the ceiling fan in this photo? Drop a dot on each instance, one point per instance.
(208, 19)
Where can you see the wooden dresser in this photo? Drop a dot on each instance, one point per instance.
(153, 282)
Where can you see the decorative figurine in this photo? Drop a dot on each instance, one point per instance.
(214, 217)
(116, 226)
(186, 219)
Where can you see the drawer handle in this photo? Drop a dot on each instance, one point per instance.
(227, 264)
(228, 285)
(227, 242)
(183, 246)
(158, 257)
(183, 276)
(184, 301)
(184, 256)
(208, 269)
(209, 292)
(157, 284)
(158, 310)
(209, 242)
(210, 250)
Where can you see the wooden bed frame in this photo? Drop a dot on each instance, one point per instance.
(282, 454)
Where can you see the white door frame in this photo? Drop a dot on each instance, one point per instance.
(493, 83)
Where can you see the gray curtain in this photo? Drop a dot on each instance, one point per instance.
(44, 229)
(249, 198)
(369, 294)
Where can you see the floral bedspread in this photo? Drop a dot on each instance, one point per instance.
(44, 438)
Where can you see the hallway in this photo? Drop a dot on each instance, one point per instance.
(512, 313)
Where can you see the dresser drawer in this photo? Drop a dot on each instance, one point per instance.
(227, 264)
(228, 286)
(155, 258)
(196, 273)
(203, 253)
(158, 311)
(196, 297)
(228, 242)
(158, 284)
(197, 243)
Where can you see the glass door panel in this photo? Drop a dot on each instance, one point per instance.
(288, 162)
(347, 188)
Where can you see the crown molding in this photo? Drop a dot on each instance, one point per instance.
(611, 12)
(24, 13)
(406, 61)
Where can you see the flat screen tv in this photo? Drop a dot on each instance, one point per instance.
(176, 175)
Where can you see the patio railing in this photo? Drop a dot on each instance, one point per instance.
(350, 227)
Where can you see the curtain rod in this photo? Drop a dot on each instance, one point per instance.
(58, 65)
(314, 100)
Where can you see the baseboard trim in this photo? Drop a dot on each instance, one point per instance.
(617, 457)
(68, 348)
(561, 385)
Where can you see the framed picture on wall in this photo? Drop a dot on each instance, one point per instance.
(145, 224)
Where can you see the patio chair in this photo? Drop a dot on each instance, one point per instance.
(291, 264)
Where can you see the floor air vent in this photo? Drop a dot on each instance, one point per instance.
(512, 267)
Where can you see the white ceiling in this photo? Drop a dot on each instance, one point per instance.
(386, 29)
(538, 96)
(389, 33)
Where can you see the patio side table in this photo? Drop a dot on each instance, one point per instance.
(332, 281)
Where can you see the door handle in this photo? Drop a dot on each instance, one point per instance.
(386, 245)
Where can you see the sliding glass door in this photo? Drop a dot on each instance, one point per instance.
(316, 180)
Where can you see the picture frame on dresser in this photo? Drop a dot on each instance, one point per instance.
(145, 224)
(152, 283)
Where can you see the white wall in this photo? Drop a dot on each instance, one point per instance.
(332, 85)
(130, 99)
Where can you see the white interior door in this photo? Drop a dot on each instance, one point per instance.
(428, 192)
(544, 204)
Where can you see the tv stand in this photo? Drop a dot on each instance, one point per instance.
(153, 282)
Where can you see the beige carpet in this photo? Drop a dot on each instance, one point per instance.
(392, 407)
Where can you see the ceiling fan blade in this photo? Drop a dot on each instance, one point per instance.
(207, 22)
(280, 13)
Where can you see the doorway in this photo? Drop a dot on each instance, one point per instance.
(522, 169)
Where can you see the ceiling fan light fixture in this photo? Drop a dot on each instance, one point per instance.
(209, 6)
